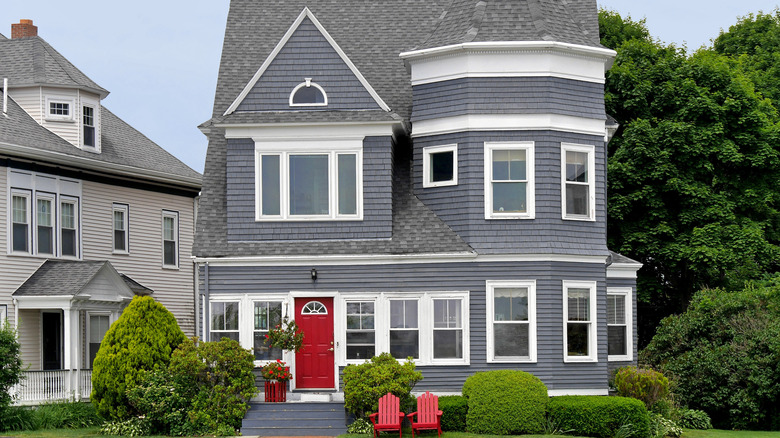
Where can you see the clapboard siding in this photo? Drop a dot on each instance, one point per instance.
(516, 95)
(172, 287)
(448, 277)
(30, 100)
(30, 338)
(307, 54)
(377, 199)
(548, 232)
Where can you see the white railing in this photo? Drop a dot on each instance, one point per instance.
(44, 386)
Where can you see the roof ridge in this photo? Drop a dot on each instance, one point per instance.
(66, 66)
(435, 27)
(538, 19)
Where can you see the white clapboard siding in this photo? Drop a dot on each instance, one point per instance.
(30, 338)
(172, 287)
(30, 100)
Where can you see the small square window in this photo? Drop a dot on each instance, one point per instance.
(59, 109)
(440, 166)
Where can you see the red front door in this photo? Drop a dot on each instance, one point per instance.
(314, 363)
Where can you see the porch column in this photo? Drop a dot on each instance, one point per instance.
(72, 346)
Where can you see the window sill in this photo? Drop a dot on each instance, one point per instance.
(579, 218)
(512, 360)
(429, 185)
(308, 219)
(625, 358)
(115, 252)
(508, 216)
(580, 360)
(59, 119)
(170, 267)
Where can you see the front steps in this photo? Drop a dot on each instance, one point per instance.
(294, 418)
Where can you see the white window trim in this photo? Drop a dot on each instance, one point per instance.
(51, 197)
(175, 216)
(390, 300)
(125, 208)
(27, 194)
(427, 152)
(593, 324)
(60, 118)
(528, 146)
(382, 324)
(329, 147)
(241, 312)
(591, 151)
(94, 106)
(248, 340)
(490, 286)
(87, 328)
(628, 294)
(76, 221)
(308, 83)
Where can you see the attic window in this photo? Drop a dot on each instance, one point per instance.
(308, 93)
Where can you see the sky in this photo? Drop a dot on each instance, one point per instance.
(159, 59)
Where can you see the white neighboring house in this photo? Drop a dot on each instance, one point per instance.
(91, 213)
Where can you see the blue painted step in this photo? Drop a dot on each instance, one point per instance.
(294, 419)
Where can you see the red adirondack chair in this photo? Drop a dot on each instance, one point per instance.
(389, 417)
(428, 414)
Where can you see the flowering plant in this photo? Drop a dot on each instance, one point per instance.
(276, 371)
(286, 336)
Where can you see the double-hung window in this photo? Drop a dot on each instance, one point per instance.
(98, 326)
(511, 317)
(404, 329)
(267, 315)
(447, 329)
(578, 182)
(69, 227)
(170, 238)
(224, 320)
(44, 226)
(619, 335)
(20, 220)
(579, 313)
(121, 233)
(361, 330)
(309, 182)
(88, 126)
(509, 180)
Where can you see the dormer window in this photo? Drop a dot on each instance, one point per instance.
(308, 93)
(88, 115)
(59, 109)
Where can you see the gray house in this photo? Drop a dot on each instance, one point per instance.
(426, 179)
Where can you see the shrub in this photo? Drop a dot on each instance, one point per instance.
(661, 427)
(360, 426)
(643, 384)
(70, 415)
(505, 402)
(694, 419)
(724, 352)
(204, 390)
(454, 409)
(366, 383)
(133, 426)
(599, 416)
(144, 336)
(10, 369)
(18, 418)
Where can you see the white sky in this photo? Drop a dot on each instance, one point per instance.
(159, 59)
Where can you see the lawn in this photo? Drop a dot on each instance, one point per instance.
(715, 433)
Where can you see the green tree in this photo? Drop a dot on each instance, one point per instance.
(725, 352)
(143, 337)
(10, 367)
(692, 172)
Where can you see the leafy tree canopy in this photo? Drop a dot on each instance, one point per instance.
(692, 170)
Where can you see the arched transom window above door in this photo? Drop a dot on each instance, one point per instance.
(314, 308)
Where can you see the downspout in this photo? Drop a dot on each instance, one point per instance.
(5, 97)
(196, 296)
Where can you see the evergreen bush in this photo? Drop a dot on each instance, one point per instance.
(454, 409)
(366, 383)
(600, 416)
(10, 369)
(143, 337)
(505, 402)
(694, 419)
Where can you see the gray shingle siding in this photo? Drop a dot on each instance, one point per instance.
(516, 95)
(548, 232)
(377, 199)
(459, 276)
(308, 54)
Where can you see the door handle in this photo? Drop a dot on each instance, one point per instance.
(330, 349)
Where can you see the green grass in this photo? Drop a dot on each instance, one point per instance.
(453, 435)
(91, 432)
(716, 433)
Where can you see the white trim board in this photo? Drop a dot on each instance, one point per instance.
(306, 13)
(508, 122)
(623, 270)
(380, 259)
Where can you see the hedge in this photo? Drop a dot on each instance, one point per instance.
(599, 416)
(505, 402)
(454, 409)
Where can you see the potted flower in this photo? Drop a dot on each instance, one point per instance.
(276, 375)
(285, 336)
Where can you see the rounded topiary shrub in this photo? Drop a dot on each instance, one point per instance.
(505, 402)
(143, 337)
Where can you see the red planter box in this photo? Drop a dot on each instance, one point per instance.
(275, 391)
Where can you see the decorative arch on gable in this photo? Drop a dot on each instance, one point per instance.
(308, 93)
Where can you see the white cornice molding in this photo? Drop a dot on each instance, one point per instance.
(508, 122)
(82, 163)
(382, 259)
(309, 131)
(509, 59)
(623, 270)
(306, 13)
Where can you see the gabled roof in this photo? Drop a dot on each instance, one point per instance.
(66, 278)
(125, 150)
(33, 62)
